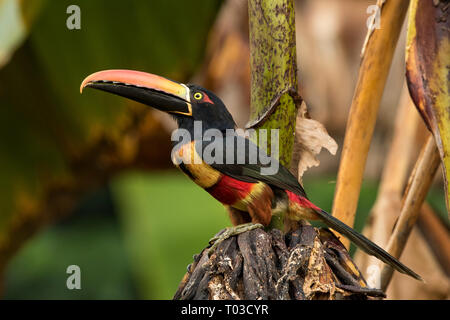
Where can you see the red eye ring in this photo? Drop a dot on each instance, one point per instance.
(207, 99)
(202, 97)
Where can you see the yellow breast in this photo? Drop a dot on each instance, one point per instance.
(198, 170)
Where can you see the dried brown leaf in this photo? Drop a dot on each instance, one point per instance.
(310, 137)
(427, 72)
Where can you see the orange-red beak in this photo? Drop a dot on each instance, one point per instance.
(152, 90)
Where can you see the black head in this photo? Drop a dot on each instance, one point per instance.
(207, 108)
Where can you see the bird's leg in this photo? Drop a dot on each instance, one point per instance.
(229, 232)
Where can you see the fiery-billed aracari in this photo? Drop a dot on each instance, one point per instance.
(249, 196)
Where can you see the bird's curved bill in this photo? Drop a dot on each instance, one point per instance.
(152, 90)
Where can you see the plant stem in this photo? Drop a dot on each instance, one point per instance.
(273, 63)
(395, 173)
(373, 72)
(418, 185)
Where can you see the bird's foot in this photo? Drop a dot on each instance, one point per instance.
(229, 232)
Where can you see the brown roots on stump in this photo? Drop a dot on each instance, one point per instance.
(305, 264)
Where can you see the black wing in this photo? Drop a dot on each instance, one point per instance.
(248, 165)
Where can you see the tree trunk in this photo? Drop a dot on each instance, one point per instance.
(304, 264)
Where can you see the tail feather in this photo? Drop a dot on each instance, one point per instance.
(365, 244)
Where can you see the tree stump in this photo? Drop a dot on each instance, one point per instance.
(304, 264)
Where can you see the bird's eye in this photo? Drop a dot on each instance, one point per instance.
(198, 96)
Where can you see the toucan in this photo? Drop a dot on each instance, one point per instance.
(250, 196)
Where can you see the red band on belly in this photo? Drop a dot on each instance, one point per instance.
(229, 190)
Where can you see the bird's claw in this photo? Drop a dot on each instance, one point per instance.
(229, 232)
